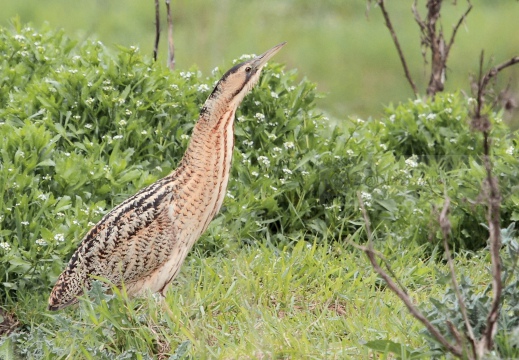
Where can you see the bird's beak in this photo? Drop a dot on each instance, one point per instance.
(262, 59)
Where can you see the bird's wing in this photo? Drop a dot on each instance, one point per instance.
(128, 243)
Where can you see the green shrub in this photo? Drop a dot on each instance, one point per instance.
(82, 129)
(478, 303)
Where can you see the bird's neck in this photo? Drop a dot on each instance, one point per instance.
(203, 173)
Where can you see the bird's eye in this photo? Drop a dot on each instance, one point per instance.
(248, 69)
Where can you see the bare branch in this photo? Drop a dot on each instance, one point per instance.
(455, 30)
(484, 80)
(171, 48)
(370, 253)
(157, 30)
(397, 45)
(493, 196)
(445, 226)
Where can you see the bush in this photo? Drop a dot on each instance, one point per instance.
(82, 129)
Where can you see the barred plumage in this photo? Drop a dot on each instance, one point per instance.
(144, 240)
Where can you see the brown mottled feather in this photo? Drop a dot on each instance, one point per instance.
(144, 240)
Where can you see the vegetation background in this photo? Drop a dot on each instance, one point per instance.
(340, 45)
(83, 126)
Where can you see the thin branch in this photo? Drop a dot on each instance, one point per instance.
(157, 30)
(483, 82)
(397, 45)
(455, 30)
(171, 48)
(445, 226)
(370, 253)
(494, 205)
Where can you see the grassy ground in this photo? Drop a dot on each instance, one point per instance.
(350, 55)
(313, 302)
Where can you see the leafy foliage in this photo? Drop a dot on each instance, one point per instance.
(82, 129)
(478, 303)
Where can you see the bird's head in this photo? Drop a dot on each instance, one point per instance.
(241, 78)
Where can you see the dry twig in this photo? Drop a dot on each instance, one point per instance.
(455, 349)
(389, 25)
(491, 190)
(171, 48)
(435, 41)
(157, 30)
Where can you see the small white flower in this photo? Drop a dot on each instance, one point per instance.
(138, 103)
(254, 173)
(257, 103)
(122, 122)
(215, 71)
(260, 117)
(6, 246)
(144, 132)
(272, 137)
(248, 143)
(274, 94)
(277, 149)
(288, 145)
(184, 137)
(90, 223)
(117, 137)
(304, 172)
(264, 160)
(273, 188)
(287, 171)
(266, 176)
(229, 195)
(510, 150)
(203, 88)
(134, 48)
(421, 182)
(25, 223)
(411, 162)
(470, 147)
(453, 141)
(241, 118)
(59, 237)
(291, 88)
(158, 168)
(128, 112)
(431, 116)
(41, 242)
(67, 154)
(89, 126)
(42, 197)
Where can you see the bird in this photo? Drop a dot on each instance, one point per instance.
(143, 241)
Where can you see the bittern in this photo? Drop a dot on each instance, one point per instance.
(143, 241)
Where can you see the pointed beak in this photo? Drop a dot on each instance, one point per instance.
(262, 59)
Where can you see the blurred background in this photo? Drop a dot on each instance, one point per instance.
(341, 45)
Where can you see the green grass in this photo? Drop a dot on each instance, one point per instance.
(350, 55)
(83, 128)
(312, 302)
